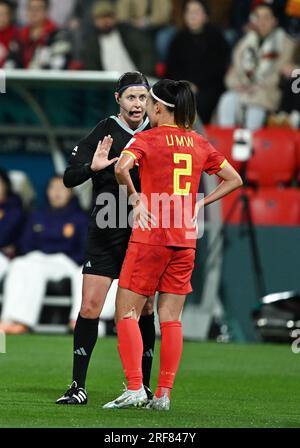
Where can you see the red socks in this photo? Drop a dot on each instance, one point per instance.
(130, 345)
(131, 352)
(170, 354)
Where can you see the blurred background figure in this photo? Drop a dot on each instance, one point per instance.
(241, 10)
(144, 14)
(41, 43)
(116, 47)
(290, 100)
(60, 11)
(253, 79)
(199, 54)
(53, 248)
(8, 31)
(288, 114)
(11, 220)
(153, 17)
(82, 15)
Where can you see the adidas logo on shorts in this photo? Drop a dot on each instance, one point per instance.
(88, 264)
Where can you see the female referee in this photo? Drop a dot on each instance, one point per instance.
(161, 257)
(106, 248)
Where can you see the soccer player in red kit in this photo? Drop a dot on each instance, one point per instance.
(161, 252)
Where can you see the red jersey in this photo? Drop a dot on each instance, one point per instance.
(7, 37)
(171, 161)
(29, 46)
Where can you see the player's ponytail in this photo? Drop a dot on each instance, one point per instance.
(178, 98)
(185, 106)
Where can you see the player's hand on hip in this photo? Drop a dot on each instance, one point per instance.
(143, 218)
(100, 160)
(198, 207)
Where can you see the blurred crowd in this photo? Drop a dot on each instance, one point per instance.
(239, 55)
(38, 246)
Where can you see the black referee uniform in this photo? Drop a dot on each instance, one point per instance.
(105, 248)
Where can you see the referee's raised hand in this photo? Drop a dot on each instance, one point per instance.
(100, 159)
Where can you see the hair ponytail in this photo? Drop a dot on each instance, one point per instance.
(178, 98)
(185, 106)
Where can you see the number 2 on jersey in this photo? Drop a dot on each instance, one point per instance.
(178, 172)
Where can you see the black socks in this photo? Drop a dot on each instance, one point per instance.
(85, 338)
(147, 328)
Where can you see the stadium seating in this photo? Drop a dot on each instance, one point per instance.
(57, 304)
(298, 156)
(269, 206)
(222, 140)
(232, 207)
(274, 159)
(274, 165)
(276, 207)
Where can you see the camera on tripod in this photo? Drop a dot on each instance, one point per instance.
(277, 315)
(242, 149)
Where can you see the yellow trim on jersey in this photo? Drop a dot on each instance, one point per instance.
(224, 164)
(129, 153)
(169, 125)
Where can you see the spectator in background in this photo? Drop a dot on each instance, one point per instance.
(8, 31)
(53, 248)
(11, 219)
(289, 110)
(153, 17)
(241, 14)
(115, 47)
(82, 14)
(199, 54)
(278, 5)
(144, 14)
(41, 44)
(60, 11)
(253, 79)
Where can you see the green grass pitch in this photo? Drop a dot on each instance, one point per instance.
(218, 386)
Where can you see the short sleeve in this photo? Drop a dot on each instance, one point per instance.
(215, 161)
(136, 148)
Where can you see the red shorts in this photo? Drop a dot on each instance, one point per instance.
(147, 269)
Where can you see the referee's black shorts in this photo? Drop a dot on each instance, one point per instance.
(105, 250)
(108, 263)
